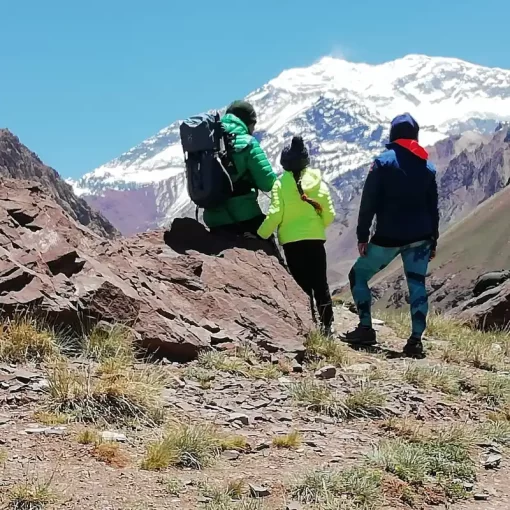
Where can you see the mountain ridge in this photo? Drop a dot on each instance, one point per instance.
(342, 109)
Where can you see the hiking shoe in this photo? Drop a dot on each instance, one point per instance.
(361, 336)
(414, 348)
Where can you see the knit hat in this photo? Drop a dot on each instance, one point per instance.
(244, 111)
(404, 126)
(295, 157)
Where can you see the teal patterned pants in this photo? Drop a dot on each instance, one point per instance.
(416, 258)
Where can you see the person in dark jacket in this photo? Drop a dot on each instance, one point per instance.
(401, 193)
(241, 214)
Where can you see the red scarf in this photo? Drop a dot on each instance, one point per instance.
(413, 146)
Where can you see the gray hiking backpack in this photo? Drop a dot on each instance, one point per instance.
(209, 167)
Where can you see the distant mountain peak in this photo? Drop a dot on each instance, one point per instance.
(343, 110)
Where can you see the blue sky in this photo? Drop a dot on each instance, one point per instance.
(81, 82)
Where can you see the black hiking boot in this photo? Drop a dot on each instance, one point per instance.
(414, 348)
(362, 336)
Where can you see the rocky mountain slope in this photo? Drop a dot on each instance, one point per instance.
(341, 108)
(177, 304)
(18, 162)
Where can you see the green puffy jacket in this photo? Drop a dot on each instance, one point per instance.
(253, 171)
(295, 219)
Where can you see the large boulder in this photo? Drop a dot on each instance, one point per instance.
(489, 310)
(182, 291)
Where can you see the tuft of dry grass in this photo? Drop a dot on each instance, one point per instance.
(111, 454)
(444, 378)
(416, 462)
(366, 401)
(107, 342)
(291, 440)
(496, 430)
(57, 418)
(193, 445)
(121, 396)
(88, 436)
(202, 375)
(321, 348)
(23, 339)
(219, 361)
(494, 388)
(238, 443)
(318, 397)
(354, 488)
(31, 495)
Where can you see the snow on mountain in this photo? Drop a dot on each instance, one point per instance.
(341, 108)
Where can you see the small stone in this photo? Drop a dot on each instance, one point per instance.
(4, 419)
(262, 446)
(258, 491)
(231, 454)
(327, 372)
(113, 437)
(326, 420)
(25, 376)
(297, 368)
(283, 416)
(481, 496)
(36, 430)
(360, 367)
(468, 486)
(293, 505)
(492, 461)
(239, 417)
(378, 322)
(49, 431)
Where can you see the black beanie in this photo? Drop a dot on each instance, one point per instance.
(244, 111)
(404, 126)
(295, 157)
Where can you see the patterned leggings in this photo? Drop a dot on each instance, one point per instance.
(415, 258)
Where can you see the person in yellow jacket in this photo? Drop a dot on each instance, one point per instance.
(301, 209)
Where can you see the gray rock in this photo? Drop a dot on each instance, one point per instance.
(231, 454)
(360, 367)
(293, 505)
(113, 437)
(48, 431)
(492, 461)
(297, 368)
(259, 491)
(327, 372)
(239, 417)
(25, 376)
(481, 496)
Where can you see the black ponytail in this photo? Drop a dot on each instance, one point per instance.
(298, 147)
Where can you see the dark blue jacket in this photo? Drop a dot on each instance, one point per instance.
(401, 193)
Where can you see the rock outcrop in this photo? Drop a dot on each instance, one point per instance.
(18, 162)
(194, 292)
(490, 310)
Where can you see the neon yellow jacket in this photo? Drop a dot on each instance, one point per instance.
(295, 219)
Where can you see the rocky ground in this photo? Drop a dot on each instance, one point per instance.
(344, 430)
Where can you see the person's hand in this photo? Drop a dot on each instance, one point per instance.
(363, 249)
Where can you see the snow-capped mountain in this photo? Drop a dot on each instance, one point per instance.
(341, 108)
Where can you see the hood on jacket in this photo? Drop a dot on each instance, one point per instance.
(234, 124)
(404, 127)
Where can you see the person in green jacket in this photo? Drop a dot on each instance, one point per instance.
(301, 209)
(241, 214)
